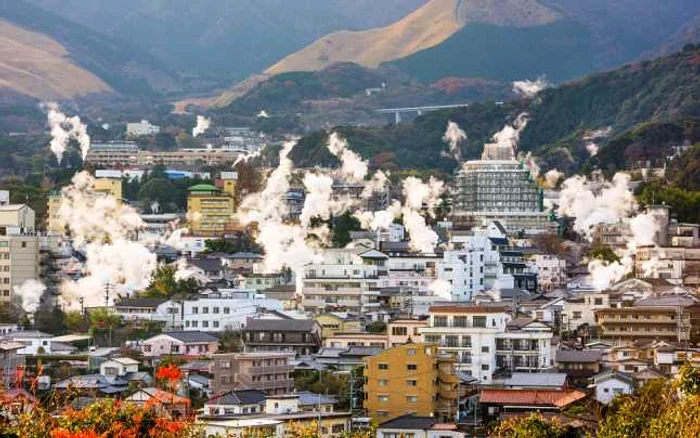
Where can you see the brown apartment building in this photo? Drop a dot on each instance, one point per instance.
(269, 372)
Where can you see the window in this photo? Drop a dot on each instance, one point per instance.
(215, 310)
(205, 324)
(383, 398)
(440, 321)
(411, 367)
(411, 352)
(205, 310)
(216, 324)
(338, 428)
(411, 382)
(383, 366)
(411, 398)
(598, 301)
(576, 315)
(399, 331)
(485, 349)
(460, 321)
(382, 382)
(485, 367)
(195, 310)
(479, 321)
(452, 341)
(24, 244)
(195, 324)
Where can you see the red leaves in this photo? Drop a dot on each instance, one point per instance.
(171, 373)
(63, 433)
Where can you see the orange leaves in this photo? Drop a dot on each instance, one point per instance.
(63, 433)
(170, 373)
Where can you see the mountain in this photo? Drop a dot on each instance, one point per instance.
(226, 40)
(35, 65)
(646, 106)
(589, 36)
(44, 39)
(509, 39)
(424, 28)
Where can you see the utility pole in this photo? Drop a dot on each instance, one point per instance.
(82, 306)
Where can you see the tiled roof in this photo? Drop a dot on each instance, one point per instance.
(192, 336)
(309, 399)
(241, 397)
(530, 397)
(409, 422)
(579, 356)
(537, 379)
(165, 397)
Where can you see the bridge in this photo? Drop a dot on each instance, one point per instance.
(417, 109)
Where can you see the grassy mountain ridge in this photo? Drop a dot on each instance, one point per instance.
(663, 94)
(124, 67)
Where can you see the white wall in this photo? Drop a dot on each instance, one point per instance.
(607, 390)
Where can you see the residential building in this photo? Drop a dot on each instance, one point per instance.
(410, 425)
(210, 211)
(610, 384)
(34, 342)
(485, 339)
(579, 363)
(110, 187)
(332, 323)
(413, 378)
(180, 343)
(551, 272)
(269, 372)
(666, 262)
(344, 359)
(146, 309)
(628, 358)
(19, 249)
(345, 281)
(666, 317)
(357, 339)
(225, 309)
(11, 362)
(301, 336)
(581, 309)
(141, 128)
(278, 414)
(126, 156)
(165, 403)
(545, 380)
(244, 401)
(498, 403)
(616, 235)
(93, 385)
(262, 282)
(403, 330)
(498, 187)
(19, 216)
(119, 366)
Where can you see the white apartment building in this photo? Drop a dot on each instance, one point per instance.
(551, 272)
(141, 128)
(484, 339)
(346, 280)
(580, 310)
(473, 265)
(214, 312)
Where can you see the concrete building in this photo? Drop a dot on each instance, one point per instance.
(673, 263)
(300, 336)
(104, 186)
(551, 272)
(403, 330)
(410, 425)
(11, 362)
(269, 372)
(225, 309)
(346, 281)
(498, 187)
(122, 156)
(141, 128)
(180, 343)
(210, 210)
(19, 249)
(484, 339)
(413, 378)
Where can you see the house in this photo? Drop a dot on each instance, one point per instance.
(332, 323)
(500, 402)
(16, 401)
(181, 343)
(410, 425)
(344, 359)
(357, 339)
(165, 402)
(35, 342)
(536, 381)
(579, 363)
(610, 384)
(245, 401)
(10, 362)
(269, 372)
(119, 366)
(410, 378)
(197, 382)
(278, 414)
(263, 282)
(302, 336)
(94, 384)
(145, 309)
(208, 267)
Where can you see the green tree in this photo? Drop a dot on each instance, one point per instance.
(377, 327)
(103, 321)
(164, 284)
(342, 226)
(230, 341)
(76, 322)
(604, 253)
(532, 426)
(50, 320)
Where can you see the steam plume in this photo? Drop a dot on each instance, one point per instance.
(552, 177)
(530, 89)
(63, 129)
(453, 136)
(30, 291)
(203, 124)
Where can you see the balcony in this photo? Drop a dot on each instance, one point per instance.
(445, 393)
(274, 369)
(447, 377)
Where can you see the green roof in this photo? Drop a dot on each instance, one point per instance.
(203, 188)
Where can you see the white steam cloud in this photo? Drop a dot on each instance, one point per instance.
(64, 129)
(263, 115)
(530, 89)
(506, 141)
(203, 124)
(453, 136)
(552, 177)
(30, 292)
(441, 289)
(592, 149)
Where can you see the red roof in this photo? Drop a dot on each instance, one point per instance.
(530, 397)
